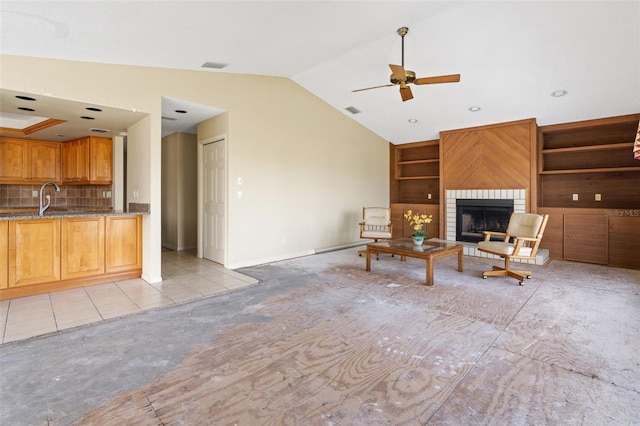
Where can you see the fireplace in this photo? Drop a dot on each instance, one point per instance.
(517, 198)
(473, 216)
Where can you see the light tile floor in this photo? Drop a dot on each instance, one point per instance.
(184, 278)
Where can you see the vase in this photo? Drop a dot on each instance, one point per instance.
(418, 240)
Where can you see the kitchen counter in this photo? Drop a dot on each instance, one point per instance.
(32, 213)
(67, 248)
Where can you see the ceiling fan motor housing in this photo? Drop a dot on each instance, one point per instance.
(410, 76)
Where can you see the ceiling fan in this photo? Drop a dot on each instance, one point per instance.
(402, 77)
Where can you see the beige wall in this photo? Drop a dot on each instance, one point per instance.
(307, 168)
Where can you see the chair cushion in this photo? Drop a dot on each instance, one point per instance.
(376, 234)
(524, 225)
(503, 249)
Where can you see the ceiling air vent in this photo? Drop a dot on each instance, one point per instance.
(216, 65)
(352, 110)
(94, 130)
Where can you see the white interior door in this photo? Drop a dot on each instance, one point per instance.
(214, 201)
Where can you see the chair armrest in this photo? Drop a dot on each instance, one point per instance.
(488, 234)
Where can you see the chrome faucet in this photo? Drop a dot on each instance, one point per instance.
(44, 207)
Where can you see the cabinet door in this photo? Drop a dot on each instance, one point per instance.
(4, 253)
(75, 161)
(585, 238)
(14, 160)
(82, 243)
(123, 248)
(101, 160)
(34, 251)
(624, 240)
(45, 161)
(401, 227)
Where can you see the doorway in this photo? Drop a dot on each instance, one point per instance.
(214, 199)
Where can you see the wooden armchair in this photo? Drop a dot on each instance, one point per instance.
(376, 225)
(520, 242)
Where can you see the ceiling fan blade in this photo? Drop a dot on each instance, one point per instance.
(398, 72)
(374, 87)
(405, 93)
(453, 78)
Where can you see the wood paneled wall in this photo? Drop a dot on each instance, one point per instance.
(496, 156)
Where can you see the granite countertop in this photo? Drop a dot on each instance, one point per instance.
(32, 212)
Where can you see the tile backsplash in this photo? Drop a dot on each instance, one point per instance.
(69, 196)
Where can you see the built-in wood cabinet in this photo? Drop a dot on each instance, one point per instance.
(34, 251)
(100, 160)
(124, 243)
(585, 238)
(29, 161)
(401, 227)
(605, 236)
(55, 253)
(4, 253)
(75, 161)
(83, 247)
(87, 161)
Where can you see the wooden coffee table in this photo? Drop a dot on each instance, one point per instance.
(429, 251)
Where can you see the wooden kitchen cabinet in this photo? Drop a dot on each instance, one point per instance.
(123, 243)
(29, 161)
(87, 161)
(75, 161)
(45, 161)
(101, 160)
(83, 247)
(4, 253)
(34, 251)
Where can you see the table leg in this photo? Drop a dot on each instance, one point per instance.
(368, 267)
(460, 261)
(429, 271)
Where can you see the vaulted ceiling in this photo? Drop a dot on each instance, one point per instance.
(511, 55)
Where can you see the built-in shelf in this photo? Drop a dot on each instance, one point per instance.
(415, 171)
(600, 170)
(592, 159)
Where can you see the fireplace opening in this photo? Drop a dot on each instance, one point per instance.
(476, 215)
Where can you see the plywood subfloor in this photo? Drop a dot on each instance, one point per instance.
(381, 348)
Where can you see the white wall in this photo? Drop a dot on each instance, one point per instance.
(308, 169)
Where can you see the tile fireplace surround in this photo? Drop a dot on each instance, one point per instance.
(518, 196)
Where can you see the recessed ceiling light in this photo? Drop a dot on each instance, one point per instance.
(26, 109)
(180, 111)
(25, 98)
(60, 135)
(87, 117)
(558, 93)
(413, 120)
(93, 109)
(474, 108)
